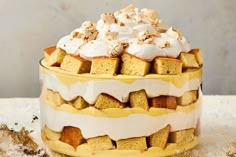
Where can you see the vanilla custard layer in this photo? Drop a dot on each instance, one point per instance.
(84, 150)
(90, 86)
(120, 112)
(131, 125)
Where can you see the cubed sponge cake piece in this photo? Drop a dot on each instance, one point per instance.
(72, 136)
(160, 138)
(51, 135)
(100, 143)
(189, 60)
(48, 51)
(105, 101)
(167, 66)
(52, 98)
(138, 99)
(181, 136)
(164, 102)
(132, 65)
(79, 103)
(187, 98)
(104, 65)
(75, 64)
(56, 58)
(198, 55)
(137, 143)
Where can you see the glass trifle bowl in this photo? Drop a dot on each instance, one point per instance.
(127, 85)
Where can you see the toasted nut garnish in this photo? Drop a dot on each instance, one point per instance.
(164, 44)
(174, 33)
(108, 18)
(148, 41)
(144, 35)
(117, 50)
(131, 7)
(86, 32)
(88, 24)
(149, 13)
(121, 24)
(147, 37)
(111, 35)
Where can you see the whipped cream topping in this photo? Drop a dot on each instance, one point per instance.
(124, 26)
(69, 44)
(90, 90)
(138, 125)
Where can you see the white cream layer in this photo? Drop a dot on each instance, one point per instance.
(134, 125)
(120, 90)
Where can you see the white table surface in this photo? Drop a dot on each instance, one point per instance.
(218, 122)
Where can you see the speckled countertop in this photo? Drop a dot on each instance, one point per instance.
(218, 123)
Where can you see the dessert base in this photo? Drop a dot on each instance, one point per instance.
(85, 151)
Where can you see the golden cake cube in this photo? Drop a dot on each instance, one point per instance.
(105, 101)
(167, 66)
(189, 60)
(72, 136)
(132, 65)
(100, 143)
(104, 65)
(182, 136)
(56, 58)
(187, 98)
(51, 97)
(138, 99)
(137, 143)
(160, 138)
(164, 102)
(48, 51)
(198, 55)
(75, 64)
(79, 103)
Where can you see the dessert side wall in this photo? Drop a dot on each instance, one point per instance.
(27, 27)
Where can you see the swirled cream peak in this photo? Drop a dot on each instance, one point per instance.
(138, 32)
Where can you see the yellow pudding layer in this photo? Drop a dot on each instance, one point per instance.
(84, 150)
(123, 112)
(68, 78)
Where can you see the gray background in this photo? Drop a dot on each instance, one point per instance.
(29, 26)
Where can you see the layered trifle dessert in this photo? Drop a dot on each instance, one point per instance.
(128, 85)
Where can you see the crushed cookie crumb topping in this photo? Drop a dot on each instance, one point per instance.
(152, 14)
(88, 31)
(108, 18)
(147, 37)
(111, 35)
(165, 44)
